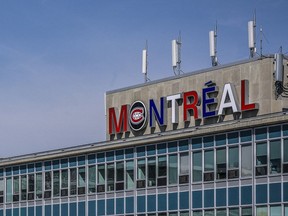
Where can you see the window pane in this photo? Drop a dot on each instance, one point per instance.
(151, 171)
(197, 213)
(120, 171)
(184, 163)
(197, 166)
(81, 177)
(110, 177)
(73, 181)
(221, 163)
(234, 212)
(130, 174)
(9, 189)
(209, 160)
(162, 166)
(101, 174)
(275, 156)
(261, 211)
(233, 157)
(39, 185)
(285, 150)
(209, 213)
(141, 169)
(246, 158)
(221, 212)
(24, 187)
(173, 169)
(92, 179)
(64, 178)
(47, 181)
(286, 210)
(16, 186)
(261, 154)
(31, 182)
(275, 211)
(56, 183)
(246, 211)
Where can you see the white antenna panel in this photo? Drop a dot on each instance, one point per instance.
(251, 39)
(144, 61)
(174, 53)
(212, 43)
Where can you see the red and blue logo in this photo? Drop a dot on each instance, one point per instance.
(138, 116)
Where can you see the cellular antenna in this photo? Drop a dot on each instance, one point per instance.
(213, 44)
(176, 55)
(251, 36)
(145, 62)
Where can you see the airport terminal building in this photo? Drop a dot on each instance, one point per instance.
(210, 142)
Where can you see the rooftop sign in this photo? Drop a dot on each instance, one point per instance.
(137, 117)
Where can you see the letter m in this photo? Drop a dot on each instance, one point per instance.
(118, 123)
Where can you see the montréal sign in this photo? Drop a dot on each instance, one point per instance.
(135, 117)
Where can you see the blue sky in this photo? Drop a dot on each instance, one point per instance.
(59, 57)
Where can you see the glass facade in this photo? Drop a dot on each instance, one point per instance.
(235, 173)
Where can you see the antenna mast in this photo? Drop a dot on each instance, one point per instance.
(251, 36)
(145, 62)
(176, 55)
(213, 46)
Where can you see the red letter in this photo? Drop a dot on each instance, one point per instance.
(191, 106)
(245, 97)
(122, 124)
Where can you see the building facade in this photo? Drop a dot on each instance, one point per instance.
(212, 142)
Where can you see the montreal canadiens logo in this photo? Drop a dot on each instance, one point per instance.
(138, 116)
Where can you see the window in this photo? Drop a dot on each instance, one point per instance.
(101, 178)
(151, 171)
(286, 210)
(31, 184)
(246, 160)
(247, 211)
(209, 213)
(162, 171)
(141, 173)
(275, 210)
(48, 185)
(81, 180)
(173, 169)
(197, 166)
(1, 190)
(129, 174)
(275, 157)
(38, 185)
(9, 189)
(64, 182)
(221, 212)
(56, 183)
(234, 212)
(120, 175)
(261, 159)
(16, 188)
(92, 179)
(221, 163)
(209, 165)
(285, 151)
(110, 177)
(233, 162)
(184, 168)
(261, 211)
(73, 181)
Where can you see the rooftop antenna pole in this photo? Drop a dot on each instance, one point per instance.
(176, 55)
(145, 62)
(252, 35)
(213, 46)
(261, 34)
